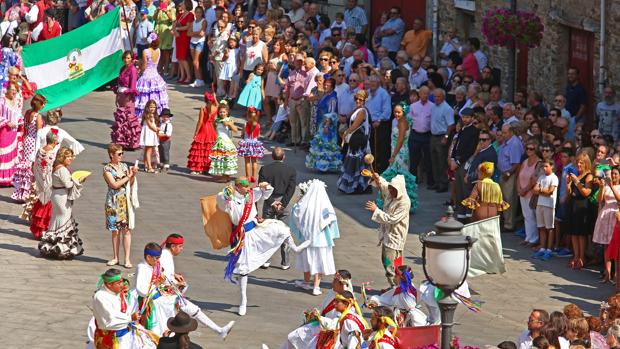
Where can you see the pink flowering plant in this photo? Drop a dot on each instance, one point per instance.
(501, 27)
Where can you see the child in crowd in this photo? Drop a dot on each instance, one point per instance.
(339, 22)
(254, 91)
(281, 115)
(150, 130)
(143, 28)
(165, 132)
(224, 153)
(229, 70)
(250, 148)
(545, 187)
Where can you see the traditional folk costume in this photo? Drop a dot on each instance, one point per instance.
(252, 244)
(307, 336)
(114, 328)
(384, 338)
(486, 198)
(10, 139)
(403, 300)
(224, 153)
(349, 327)
(430, 295)
(198, 159)
(313, 219)
(160, 300)
(61, 240)
(23, 177)
(64, 140)
(42, 210)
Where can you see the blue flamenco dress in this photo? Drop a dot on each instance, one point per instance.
(252, 96)
(325, 154)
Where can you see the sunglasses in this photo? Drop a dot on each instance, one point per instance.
(359, 99)
(483, 139)
(333, 62)
(120, 154)
(546, 150)
(352, 80)
(530, 148)
(324, 59)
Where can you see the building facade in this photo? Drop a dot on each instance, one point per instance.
(572, 37)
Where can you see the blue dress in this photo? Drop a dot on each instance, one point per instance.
(251, 95)
(325, 154)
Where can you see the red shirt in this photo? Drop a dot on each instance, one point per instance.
(50, 33)
(470, 65)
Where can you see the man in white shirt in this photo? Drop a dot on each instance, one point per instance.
(537, 320)
(508, 114)
(297, 12)
(418, 75)
(346, 102)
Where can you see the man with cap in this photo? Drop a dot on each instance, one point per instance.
(294, 92)
(393, 221)
(114, 316)
(463, 149)
(160, 296)
(253, 242)
(165, 134)
(143, 28)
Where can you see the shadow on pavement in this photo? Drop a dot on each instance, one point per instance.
(13, 219)
(18, 248)
(15, 232)
(210, 256)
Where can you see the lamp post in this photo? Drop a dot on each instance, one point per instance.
(445, 261)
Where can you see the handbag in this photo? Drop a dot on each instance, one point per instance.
(533, 201)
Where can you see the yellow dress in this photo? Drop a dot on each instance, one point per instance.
(163, 25)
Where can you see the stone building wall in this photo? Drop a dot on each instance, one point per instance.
(547, 63)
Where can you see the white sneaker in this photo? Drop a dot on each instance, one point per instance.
(193, 84)
(317, 291)
(226, 329)
(242, 310)
(303, 285)
(285, 267)
(266, 265)
(198, 83)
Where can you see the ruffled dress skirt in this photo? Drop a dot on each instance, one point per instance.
(251, 148)
(199, 159)
(61, 243)
(410, 185)
(23, 179)
(9, 155)
(223, 157)
(29, 203)
(126, 128)
(351, 181)
(324, 156)
(40, 218)
(151, 86)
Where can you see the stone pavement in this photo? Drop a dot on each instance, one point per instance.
(47, 303)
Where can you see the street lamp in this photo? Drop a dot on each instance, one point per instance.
(445, 261)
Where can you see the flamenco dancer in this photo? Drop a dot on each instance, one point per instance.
(33, 121)
(198, 159)
(150, 85)
(126, 127)
(253, 242)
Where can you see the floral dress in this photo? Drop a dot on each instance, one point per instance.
(116, 200)
(325, 154)
(224, 153)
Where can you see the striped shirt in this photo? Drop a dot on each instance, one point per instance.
(355, 18)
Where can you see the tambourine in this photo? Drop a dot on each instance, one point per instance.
(366, 173)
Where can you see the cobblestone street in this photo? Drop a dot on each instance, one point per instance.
(47, 303)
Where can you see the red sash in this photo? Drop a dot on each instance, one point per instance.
(355, 319)
(385, 339)
(329, 307)
(239, 232)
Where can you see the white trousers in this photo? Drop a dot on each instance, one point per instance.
(529, 219)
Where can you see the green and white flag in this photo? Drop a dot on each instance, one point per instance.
(69, 66)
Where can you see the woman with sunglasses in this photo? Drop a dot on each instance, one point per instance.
(578, 209)
(120, 202)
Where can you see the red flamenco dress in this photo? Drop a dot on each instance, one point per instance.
(42, 209)
(198, 158)
(613, 249)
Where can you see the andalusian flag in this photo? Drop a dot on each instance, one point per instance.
(69, 66)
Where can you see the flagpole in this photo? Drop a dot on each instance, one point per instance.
(128, 28)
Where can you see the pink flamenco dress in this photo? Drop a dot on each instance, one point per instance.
(126, 127)
(23, 176)
(150, 85)
(198, 159)
(9, 140)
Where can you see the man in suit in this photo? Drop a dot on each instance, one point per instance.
(283, 178)
(464, 148)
